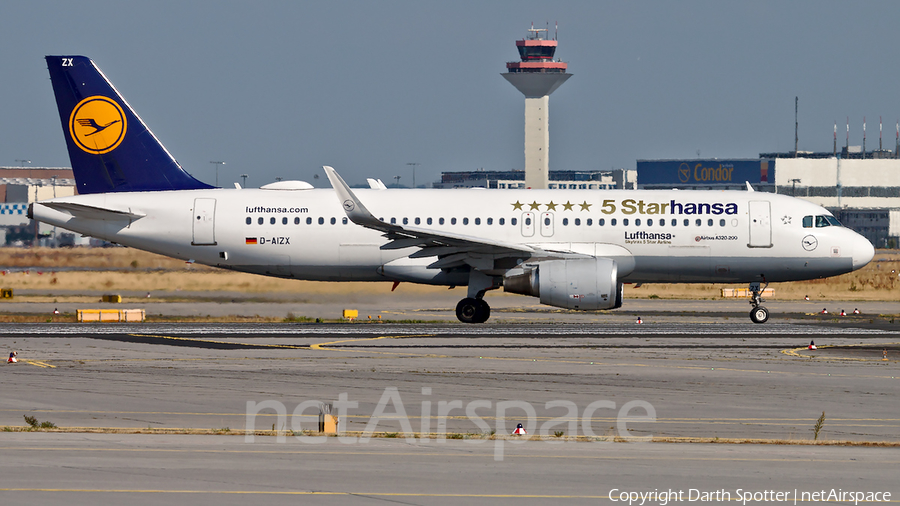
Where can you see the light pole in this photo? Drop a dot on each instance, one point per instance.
(22, 162)
(794, 187)
(244, 177)
(217, 170)
(414, 171)
(397, 179)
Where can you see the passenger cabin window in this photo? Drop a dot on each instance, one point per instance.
(565, 221)
(512, 221)
(321, 221)
(260, 221)
(272, 220)
(333, 221)
(249, 220)
(612, 222)
(284, 220)
(309, 221)
(440, 221)
(453, 221)
(297, 220)
(625, 222)
(501, 221)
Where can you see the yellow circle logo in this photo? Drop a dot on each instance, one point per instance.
(97, 125)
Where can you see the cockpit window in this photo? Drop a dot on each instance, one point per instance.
(825, 221)
(807, 221)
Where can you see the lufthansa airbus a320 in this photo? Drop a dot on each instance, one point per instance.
(571, 248)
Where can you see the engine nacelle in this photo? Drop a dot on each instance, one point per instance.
(583, 283)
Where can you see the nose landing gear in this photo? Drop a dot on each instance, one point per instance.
(758, 314)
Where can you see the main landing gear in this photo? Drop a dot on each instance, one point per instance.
(473, 310)
(758, 314)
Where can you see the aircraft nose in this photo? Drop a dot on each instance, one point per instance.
(863, 252)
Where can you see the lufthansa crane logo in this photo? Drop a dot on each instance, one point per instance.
(809, 243)
(97, 125)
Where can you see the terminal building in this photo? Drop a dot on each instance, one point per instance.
(861, 190)
(558, 179)
(20, 186)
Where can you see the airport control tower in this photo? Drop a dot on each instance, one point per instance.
(537, 75)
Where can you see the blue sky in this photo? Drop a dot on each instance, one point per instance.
(277, 89)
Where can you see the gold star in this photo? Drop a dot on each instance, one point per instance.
(568, 206)
(550, 206)
(535, 205)
(517, 205)
(585, 206)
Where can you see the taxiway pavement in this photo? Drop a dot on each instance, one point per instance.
(684, 376)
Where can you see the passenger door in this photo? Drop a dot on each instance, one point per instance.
(760, 225)
(204, 218)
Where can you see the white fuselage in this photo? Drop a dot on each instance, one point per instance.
(654, 235)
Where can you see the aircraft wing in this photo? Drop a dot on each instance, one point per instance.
(452, 249)
(92, 212)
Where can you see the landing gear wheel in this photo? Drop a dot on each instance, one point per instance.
(759, 314)
(471, 310)
(484, 311)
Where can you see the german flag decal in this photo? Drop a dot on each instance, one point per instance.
(251, 240)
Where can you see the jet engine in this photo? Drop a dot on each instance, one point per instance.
(581, 283)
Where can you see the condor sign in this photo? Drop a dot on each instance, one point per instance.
(702, 172)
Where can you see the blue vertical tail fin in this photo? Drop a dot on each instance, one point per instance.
(110, 148)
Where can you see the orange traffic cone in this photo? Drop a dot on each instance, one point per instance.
(12, 357)
(884, 354)
(812, 345)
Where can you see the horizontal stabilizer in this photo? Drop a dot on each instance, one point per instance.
(91, 212)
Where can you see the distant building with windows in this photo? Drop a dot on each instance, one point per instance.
(861, 190)
(20, 186)
(559, 179)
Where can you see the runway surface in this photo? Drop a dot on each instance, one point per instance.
(676, 377)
